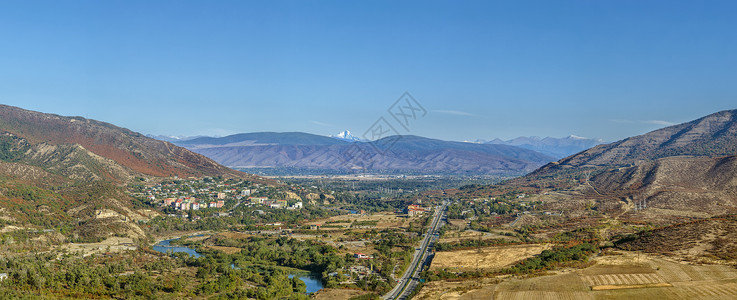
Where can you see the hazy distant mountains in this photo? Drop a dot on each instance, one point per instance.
(173, 138)
(393, 154)
(555, 147)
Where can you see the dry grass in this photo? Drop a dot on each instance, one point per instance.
(384, 220)
(455, 236)
(629, 286)
(337, 294)
(112, 244)
(226, 250)
(452, 290)
(486, 258)
(628, 275)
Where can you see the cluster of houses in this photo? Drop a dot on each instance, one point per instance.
(189, 188)
(281, 203)
(360, 272)
(191, 203)
(414, 210)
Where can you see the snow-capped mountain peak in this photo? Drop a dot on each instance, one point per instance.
(346, 136)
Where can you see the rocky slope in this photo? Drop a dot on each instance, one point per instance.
(681, 184)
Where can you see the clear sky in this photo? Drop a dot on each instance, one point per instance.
(481, 69)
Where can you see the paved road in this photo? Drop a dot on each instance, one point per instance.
(409, 281)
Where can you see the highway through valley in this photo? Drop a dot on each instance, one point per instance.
(410, 280)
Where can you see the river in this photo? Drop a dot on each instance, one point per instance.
(311, 280)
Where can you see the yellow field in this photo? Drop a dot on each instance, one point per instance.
(226, 250)
(487, 258)
(626, 276)
(384, 220)
(337, 294)
(455, 236)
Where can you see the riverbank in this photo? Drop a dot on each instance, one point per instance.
(179, 234)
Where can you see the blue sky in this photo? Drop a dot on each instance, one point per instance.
(481, 69)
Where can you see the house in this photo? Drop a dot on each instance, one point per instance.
(282, 203)
(169, 201)
(220, 203)
(315, 226)
(213, 204)
(414, 210)
(195, 206)
(3, 276)
(275, 205)
(221, 195)
(245, 192)
(362, 256)
(258, 200)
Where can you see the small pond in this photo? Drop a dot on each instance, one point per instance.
(312, 280)
(164, 247)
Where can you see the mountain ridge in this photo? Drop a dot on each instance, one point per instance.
(687, 170)
(710, 136)
(129, 149)
(397, 153)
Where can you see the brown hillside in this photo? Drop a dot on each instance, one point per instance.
(714, 238)
(713, 135)
(696, 184)
(129, 149)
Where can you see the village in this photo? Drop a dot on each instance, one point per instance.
(215, 193)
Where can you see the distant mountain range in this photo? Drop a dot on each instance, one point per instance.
(308, 151)
(555, 147)
(173, 138)
(403, 153)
